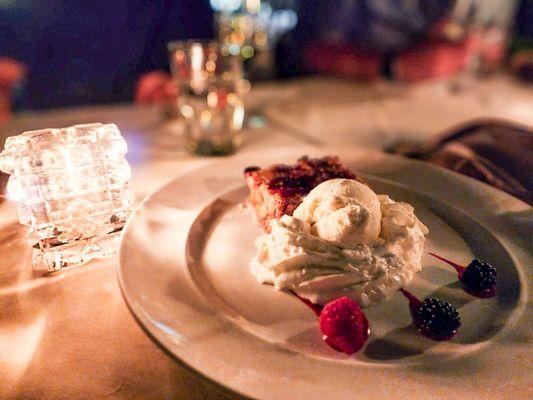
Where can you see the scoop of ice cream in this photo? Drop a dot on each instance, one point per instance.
(343, 211)
(343, 240)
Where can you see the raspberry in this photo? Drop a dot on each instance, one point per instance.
(344, 325)
(479, 279)
(436, 319)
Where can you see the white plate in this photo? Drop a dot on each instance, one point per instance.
(184, 274)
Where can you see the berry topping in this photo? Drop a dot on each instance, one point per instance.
(316, 308)
(292, 184)
(253, 168)
(434, 318)
(306, 174)
(477, 279)
(344, 325)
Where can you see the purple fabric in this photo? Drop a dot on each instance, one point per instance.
(495, 152)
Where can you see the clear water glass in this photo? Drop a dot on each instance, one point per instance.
(70, 186)
(210, 95)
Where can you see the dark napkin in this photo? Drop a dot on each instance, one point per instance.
(499, 153)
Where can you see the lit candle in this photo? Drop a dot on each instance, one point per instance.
(71, 188)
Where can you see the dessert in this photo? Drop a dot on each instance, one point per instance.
(478, 278)
(342, 240)
(344, 325)
(279, 189)
(434, 318)
(343, 212)
(338, 246)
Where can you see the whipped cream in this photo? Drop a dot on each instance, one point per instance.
(343, 240)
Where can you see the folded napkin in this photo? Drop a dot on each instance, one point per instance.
(496, 152)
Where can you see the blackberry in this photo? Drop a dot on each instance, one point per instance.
(436, 319)
(479, 277)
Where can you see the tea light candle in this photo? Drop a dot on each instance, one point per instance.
(70, 186)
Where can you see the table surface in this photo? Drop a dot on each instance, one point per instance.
(71, 336)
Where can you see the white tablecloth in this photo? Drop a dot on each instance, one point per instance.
(70, 336)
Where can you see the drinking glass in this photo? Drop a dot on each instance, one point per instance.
(210, 95)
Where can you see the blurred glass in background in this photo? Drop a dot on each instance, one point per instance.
(251, 30)
(211, 86)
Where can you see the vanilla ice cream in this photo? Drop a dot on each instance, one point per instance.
(343, 211)
(342, 240)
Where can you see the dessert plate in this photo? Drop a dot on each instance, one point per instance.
(184, 274)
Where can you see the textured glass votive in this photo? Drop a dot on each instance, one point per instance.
(70, 186)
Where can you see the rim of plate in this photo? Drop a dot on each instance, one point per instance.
(476, 190)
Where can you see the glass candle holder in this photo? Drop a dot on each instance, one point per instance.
(210, 90)
(70, 186)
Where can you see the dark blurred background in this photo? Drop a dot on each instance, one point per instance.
(58, 53)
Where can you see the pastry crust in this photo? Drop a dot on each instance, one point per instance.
(280, 188)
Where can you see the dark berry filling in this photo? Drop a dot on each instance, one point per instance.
(306, 175)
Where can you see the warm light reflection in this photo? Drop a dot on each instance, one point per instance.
(237, 38)
(205, 118)
(243, 86)
(212, 99)
(210, 66)
(197, 63)
(187, 111)
(232, 99)
(238, 117)
(247, 51)
(253, 6)
(261, 39)
(18, 346)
